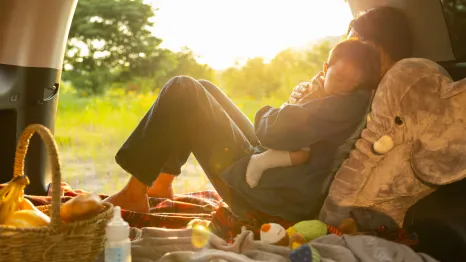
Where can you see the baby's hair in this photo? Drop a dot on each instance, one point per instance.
(362, 55)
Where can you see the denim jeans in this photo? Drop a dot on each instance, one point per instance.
(189, 116)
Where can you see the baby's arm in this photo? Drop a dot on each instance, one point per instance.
(271, 159)
(300, 157)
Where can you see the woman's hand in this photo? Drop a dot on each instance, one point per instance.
(299, 92)
(304, 89)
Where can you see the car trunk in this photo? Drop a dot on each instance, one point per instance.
(33, 37)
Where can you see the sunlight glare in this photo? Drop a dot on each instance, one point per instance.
(221, 32)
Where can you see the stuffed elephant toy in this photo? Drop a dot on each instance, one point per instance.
(414, 141)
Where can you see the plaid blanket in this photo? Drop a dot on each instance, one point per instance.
(177, 213)
(206, 205)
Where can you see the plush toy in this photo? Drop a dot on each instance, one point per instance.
(305, 253)
(413, 143)
(198, 222)
(303, 232)
(347, 226)
(275, 234)
(300, 233)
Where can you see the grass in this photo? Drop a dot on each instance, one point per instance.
(90, 130)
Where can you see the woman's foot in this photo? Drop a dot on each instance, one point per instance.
(161, 192)
(162, 187)
(132, 197)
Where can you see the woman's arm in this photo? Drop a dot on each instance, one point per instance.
(304, 89)
(298, 92)
(292, 127)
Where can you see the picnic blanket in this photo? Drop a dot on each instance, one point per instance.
(206, 205)
(177, 213)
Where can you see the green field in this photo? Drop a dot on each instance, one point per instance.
(89, 131)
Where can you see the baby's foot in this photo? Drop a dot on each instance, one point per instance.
(254, 171)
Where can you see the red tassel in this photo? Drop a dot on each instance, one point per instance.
(334, 230)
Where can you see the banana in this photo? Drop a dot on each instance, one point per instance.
(4, 191)
(8, 203)
(11, 195)
(27, 218)
(5, 206)
(25, 204)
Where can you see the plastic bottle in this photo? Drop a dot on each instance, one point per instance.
(118, 245)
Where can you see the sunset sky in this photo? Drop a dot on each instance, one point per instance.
(222, 31)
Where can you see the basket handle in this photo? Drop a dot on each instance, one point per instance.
(52, 151)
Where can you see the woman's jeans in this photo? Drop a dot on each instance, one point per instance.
(189, 116)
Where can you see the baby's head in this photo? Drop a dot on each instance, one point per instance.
(352, 65)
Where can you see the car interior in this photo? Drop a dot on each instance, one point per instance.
(32, 47)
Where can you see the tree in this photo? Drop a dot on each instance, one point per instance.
(291, 68)
(110, 40)
(184, 63)
(288, 68)
(170, 64)
(254, 79)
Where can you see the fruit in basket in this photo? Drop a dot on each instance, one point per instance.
(25, 204)
(81, 207)
(11, 195)
(27, 218)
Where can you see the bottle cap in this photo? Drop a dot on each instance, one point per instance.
(117, 229)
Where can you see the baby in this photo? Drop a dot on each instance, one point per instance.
(352, 65)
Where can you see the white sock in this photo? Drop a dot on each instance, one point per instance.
(261, 162)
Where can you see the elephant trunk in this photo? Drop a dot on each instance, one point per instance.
(353, 176)
(383, 145)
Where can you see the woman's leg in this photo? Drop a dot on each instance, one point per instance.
(240, 119)
(163, 186)
(185, 118)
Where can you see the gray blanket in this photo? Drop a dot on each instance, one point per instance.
(167, 245)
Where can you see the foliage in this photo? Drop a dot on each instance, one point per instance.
(183, 63)
(258, 79)
(111, 41)
(111, 46)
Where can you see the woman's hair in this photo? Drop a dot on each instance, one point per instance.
(386, 27)
(362, 55)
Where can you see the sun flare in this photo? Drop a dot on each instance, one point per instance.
(221, 32)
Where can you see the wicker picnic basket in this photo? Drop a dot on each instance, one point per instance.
(61, 242)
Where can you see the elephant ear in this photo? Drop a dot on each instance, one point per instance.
(454, 88)
(439, 155)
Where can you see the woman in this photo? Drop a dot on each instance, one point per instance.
(192, 116)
